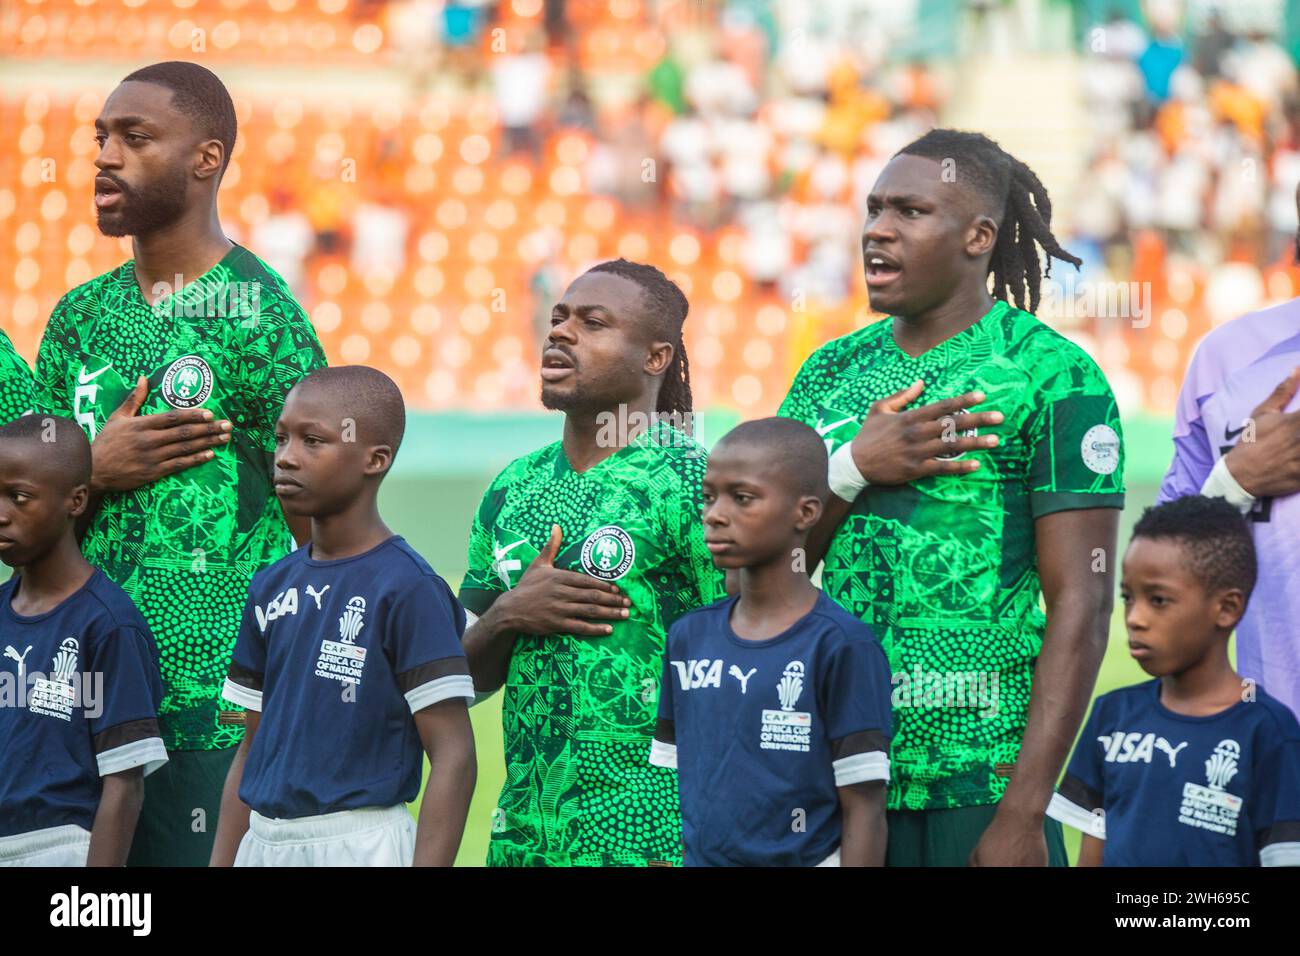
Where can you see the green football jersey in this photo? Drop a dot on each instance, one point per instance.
(944, 569)
(15, 382)
(184, 548)
(579, 713)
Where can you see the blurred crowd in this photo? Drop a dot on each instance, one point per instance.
(508, 144)
(763, 117)
(1197, 148)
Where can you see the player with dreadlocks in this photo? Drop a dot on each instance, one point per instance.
(581, 555)
(946, 524)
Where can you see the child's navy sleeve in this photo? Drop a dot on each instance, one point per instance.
(124, 721)
(422, 640)
(1080, 799)
(854, 699)
(1277, 797)
(663, 749)
(247, 662)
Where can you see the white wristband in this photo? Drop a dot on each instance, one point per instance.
(1221, 484)
(843, 476)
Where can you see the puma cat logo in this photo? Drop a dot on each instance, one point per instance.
(317, 595)
(734, 671)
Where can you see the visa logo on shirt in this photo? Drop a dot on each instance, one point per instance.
(1137, 747)
(702, 673)
(286, 602)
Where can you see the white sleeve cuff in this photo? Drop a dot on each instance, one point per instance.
(663, 755)
(1280, 854)
(243, 696)
(453, 685)
(859, 768)
(148, 753)
(1071, 814)
(842, 474)
(1221, 484)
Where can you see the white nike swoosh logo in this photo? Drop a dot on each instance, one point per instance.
(502, 552)
(84, 379)
(821, 429)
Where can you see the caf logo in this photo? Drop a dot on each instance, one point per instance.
(187, 382)
(608, 553)
(352, 620)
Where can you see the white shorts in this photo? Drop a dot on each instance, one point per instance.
(832, 860)
(373, 836)
(54, 846)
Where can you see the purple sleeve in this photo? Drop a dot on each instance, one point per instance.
(1193, 453)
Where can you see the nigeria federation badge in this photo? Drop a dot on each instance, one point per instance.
(1100, 449)
(187, 382)
(608, 553)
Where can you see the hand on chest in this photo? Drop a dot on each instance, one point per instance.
(187, 380)
(608, 547)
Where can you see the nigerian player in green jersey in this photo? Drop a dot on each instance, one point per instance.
(15, 382)
(947, 524)
(581, 555)
(176, 365)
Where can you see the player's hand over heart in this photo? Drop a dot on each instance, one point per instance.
(894, 446)
(549, 600)
(1266, 459)
(132, 450)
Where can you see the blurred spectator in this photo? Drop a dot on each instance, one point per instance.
(285, 239)
(379, 238)
(577, 111)
(520, 83)
(1212, 47)
(463, 21)
(1158, 61)
(620, 165)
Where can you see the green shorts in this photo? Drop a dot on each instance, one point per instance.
(947, 837)
(182, 799)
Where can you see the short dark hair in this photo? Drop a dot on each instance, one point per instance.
(1018, 200)
(797, 450)
(367, 396)
(667, 306)
(1213, 535)
(62, 444)
(198, 93)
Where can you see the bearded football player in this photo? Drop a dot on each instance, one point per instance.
(581, 555)
(176, 365)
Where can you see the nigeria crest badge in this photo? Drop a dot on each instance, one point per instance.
(608, 553)
(187, 383)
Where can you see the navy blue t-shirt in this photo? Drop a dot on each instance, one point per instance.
(337, 656)
(762, 732)
(79, 696)
(1164, 789)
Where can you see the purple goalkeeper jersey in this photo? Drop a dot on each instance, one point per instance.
(1233, 370)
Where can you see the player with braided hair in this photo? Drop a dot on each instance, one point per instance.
(948, 521)
(581, 556)
(667, 314)
(1025, 222)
